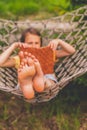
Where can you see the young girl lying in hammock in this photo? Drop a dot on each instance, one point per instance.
(30, 74)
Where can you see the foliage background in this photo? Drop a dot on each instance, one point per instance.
(21, 9)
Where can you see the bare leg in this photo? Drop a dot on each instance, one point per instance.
(25, 75)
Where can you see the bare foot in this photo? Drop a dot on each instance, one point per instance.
(26, 68)
(38, 80)
(25, 76)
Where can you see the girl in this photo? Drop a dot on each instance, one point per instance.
(30, 74)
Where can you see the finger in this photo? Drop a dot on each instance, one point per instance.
(54, 48)
(26, 53)
(21, 54)
(19, 44)
(52, 45)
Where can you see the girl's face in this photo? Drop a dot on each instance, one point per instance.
(33, 40)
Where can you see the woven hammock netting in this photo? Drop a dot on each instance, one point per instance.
(71, 27)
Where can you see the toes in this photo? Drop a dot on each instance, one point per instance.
(30, 55)
(36, 60)
(25, 66)
(24, 61)
(33, 57)
(21, 54)
(25, 53)
(30, 61)
(27, 58)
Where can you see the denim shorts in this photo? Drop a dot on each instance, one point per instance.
(51, 76)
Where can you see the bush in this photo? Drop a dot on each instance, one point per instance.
(82, 80)
(23, 8)
(78, 3)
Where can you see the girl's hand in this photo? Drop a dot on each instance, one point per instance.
(54, 44)
(17, 45)
(25, 45)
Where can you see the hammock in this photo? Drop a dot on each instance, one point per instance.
(71, 27)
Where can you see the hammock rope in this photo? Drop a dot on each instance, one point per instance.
(71, 27)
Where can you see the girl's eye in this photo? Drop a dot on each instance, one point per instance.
(36, 43)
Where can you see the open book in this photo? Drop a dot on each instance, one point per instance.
(45, 55)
